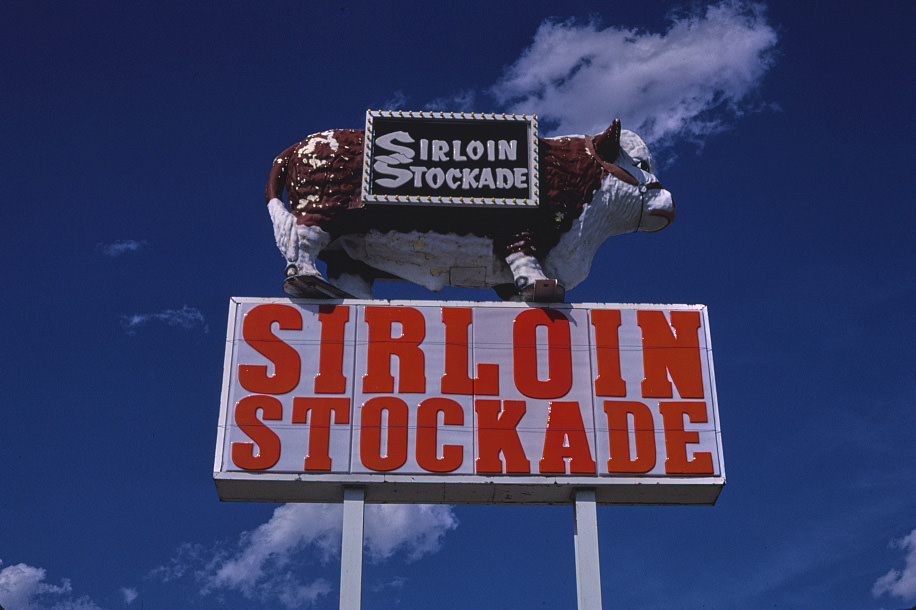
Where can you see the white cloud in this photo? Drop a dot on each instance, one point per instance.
(19, 584)
(900, 583)
(686, 82)
(395, 584)
(186, 317)
(397, 101)
(416, 529)
(130, 594)
(265, 564)
(463, 101)
(122, 246)
(291, 528)
(292, 594)
(184, 561)
(23, 587)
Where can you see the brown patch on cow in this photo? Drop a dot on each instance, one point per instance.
(323, 185)
(323, 179)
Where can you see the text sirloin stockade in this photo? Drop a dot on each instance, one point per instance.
(471, 390)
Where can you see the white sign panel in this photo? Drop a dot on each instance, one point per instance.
(423, 401)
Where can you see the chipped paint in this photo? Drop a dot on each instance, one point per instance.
(419, 244)
(313, 199)
(426, 258)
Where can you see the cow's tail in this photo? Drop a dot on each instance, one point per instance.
(276, 180)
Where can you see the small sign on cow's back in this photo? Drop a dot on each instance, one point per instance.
(450, 159)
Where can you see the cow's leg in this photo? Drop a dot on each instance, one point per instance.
(284, 229)
(303, 280)
(531, 282)
(311, 240)
(525, 269)
(300, 244)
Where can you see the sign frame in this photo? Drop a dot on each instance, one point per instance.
(462, 166)
(392, 487)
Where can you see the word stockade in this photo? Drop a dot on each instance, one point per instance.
(331, 396)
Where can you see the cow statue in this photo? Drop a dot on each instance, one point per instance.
(591, 187)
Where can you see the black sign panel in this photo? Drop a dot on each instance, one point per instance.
(460, 159)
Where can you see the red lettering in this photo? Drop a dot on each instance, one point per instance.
(559, 353)
(382, 346)
(319, 423)
(427, 428)
(607, 353)
(330, 378)
(566, 438)
(246, 418)
(677, 353)
(496, 434)
(676, 438)
(370, 433)
(621, 459)
(456, 380)
(256, 330)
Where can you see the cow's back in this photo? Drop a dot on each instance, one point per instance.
(324, 173)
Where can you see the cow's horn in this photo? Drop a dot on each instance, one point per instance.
(607, 145)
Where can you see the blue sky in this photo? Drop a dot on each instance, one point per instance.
(136, 139)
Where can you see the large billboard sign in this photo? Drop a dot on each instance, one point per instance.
(448, 158)
(420, 401)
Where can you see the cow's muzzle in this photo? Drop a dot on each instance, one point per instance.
(659, 209)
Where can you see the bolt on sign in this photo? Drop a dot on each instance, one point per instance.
(421, 401)
(451, 159)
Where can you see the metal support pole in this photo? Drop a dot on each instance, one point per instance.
(351, 549)
(588, 571)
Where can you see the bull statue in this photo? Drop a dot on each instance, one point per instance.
(591, 187)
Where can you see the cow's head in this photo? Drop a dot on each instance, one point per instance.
(632, 180)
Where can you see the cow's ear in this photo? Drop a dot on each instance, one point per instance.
(607, 145)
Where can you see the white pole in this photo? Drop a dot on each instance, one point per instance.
(588, 571)
(351, 549)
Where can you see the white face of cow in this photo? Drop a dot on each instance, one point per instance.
(630, 197)
(657, 207)
(618, 206)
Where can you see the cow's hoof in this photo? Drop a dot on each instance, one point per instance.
(543, 291)
(313, 287)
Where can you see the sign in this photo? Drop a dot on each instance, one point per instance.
(453, 402)
(452, 159)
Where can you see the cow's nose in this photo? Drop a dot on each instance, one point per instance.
(660, 214)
